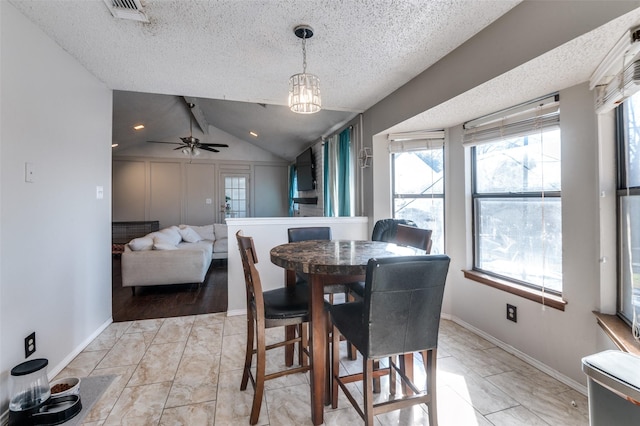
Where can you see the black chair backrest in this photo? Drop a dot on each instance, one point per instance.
(309, 233)
(413, 237)
(402, 303)
(385, 229)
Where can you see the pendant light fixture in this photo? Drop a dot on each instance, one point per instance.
(304, 88)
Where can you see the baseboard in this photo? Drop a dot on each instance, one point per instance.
(521, 355)
(236, 312)
(62, 364)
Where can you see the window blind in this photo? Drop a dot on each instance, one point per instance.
(533, 116)
(415, 141)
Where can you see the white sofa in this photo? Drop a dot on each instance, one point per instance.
(174, 255)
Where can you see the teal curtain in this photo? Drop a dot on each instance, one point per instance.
(292, 187)
(344, 173)
(337, 175)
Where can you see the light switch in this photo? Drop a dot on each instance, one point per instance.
(208, 201)
(99, 192)
(29, 172)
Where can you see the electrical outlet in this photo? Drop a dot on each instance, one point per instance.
(512, 313)
(29, 345)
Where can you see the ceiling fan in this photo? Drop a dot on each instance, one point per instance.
(191, 145)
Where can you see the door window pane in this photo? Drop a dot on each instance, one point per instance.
(235, 196)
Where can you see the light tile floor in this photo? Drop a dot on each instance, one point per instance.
(187, 370)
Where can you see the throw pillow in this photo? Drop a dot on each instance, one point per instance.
(189, 235)
(220, 230)
(142, 243)
(161, 246)
(169, 235)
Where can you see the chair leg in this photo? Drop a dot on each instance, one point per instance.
(303, 358)
(429, 358)
(248, 355)
(351, 349)
(376, 381)
(406, 367)
(335, 367)
(392, 374)
(261, 354)
(368, 391)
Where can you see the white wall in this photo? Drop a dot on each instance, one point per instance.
(55, 235)
(270, 232)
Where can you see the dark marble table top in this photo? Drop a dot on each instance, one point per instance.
(337, 257)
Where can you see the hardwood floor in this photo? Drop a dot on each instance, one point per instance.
(167, 301)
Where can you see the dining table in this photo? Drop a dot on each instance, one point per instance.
(327, 262)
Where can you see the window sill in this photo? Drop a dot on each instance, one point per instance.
(546, 299)
(619, 332)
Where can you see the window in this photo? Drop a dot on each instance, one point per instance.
(517, 221)
(418, 187)
(628, 118)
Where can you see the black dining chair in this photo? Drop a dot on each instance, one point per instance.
(385, 229)
(319, 233)
(400, 314)
(412, 236)
(315, 233)
(403, 234)
(267, 309)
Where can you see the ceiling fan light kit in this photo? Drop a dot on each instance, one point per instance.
(304, 88)
(191, 145)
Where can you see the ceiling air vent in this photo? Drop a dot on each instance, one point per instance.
(127, 9)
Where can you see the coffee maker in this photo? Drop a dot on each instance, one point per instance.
(31, 402)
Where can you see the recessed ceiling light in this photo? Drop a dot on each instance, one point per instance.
(254, 134)
(113, 145)
(139, 126)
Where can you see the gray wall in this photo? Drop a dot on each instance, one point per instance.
(174, 191)
(555, 340)
(55, 235)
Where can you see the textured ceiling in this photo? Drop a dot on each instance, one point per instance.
(233, 59)
(245, 51)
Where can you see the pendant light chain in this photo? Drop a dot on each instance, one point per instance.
(304, 52)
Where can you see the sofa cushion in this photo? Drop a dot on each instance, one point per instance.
(142, 243)
(221, 245)
(167, 236)
(188, 234)
(164, 246)
(205, 232)
(220, 230)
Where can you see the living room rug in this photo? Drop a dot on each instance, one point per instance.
(91, 389)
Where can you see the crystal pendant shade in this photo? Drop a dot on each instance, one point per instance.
(304, 93)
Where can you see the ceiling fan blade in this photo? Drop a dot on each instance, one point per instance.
(180, 147)
(218, 145)
(173, 143)
(206, 148)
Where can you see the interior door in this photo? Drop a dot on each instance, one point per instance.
(235, 190)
